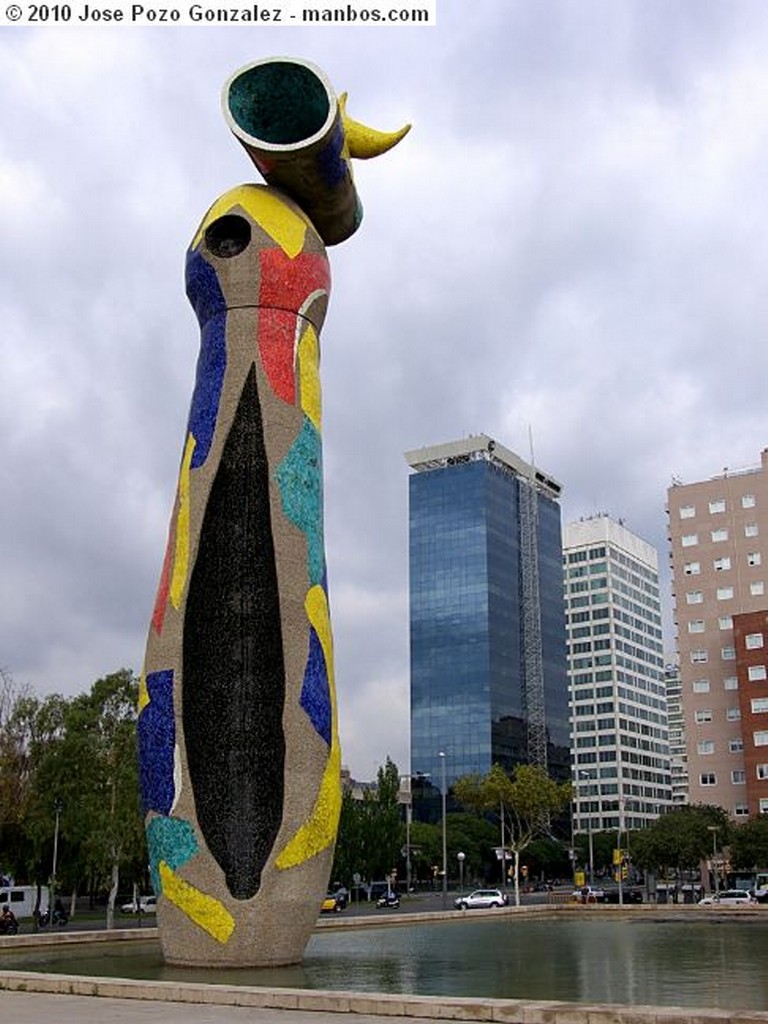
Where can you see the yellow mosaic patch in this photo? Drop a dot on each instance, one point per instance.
(309, 376)
(207, 912)
(143, 691)
(285, 225)
(319, 832)
(181, 556)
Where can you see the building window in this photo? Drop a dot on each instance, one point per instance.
(759, 705)
(704, 715)
(696, 626)
(687, 511)
(736, 746)
(692, 568)
(699, 657)
(762, 771)
(694, 597)
(753, 558)
(724, 593)
(718, 505)
(730, 683)
(757, 588)
(741, 811)
(756, 672)
(751, 530)
(753, 641)
(720, 564)
(719, 535)
(763, 805)
(708, 779)
(728, 653)
(725, 622)
(760, 738)
(747, 501)
(738, 777)
(732, 714)
(705, 747)
(689, 540)
(701, 686)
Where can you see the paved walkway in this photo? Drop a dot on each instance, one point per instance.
(36, 1007)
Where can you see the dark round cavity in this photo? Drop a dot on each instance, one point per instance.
(280, 103)
(228, 236)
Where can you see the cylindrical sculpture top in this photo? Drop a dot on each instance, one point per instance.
(286, 115)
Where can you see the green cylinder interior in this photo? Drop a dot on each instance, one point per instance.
(280, 103)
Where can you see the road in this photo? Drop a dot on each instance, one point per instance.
(416, 904)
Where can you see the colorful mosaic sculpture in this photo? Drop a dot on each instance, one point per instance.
(238, 733)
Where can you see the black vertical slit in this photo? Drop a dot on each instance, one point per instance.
(234, 680)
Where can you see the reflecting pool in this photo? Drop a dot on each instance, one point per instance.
(702, 962)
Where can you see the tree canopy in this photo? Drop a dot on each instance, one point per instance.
(523, 802)
(78, 755)
(681, 839)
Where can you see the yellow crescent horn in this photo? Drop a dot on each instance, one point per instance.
(363, 142)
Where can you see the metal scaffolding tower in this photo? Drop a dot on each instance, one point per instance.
(533, 668)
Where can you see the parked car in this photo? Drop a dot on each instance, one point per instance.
(482, 898)
(332, 904)
(729, 898)
(590, 894)
(629, 894)
(389, 901)
(144, 905)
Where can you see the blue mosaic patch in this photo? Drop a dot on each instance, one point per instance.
(205, 294)
(315, 691)
(157, 738)
(330, 163)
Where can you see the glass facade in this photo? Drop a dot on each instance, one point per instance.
(466, 623)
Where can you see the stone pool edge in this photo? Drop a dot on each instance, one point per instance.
(460, 1008)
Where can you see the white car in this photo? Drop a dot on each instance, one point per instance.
(482, 898)
(589, 894)
(145, 905)
(729, 898)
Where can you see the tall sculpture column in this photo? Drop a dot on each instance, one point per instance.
(238, 731)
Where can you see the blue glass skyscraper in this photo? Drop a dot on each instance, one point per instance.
(484, 538)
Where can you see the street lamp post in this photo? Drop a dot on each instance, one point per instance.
(714, 830)
(460, 857)
(57, 806)
(444, 794)
(588, 775)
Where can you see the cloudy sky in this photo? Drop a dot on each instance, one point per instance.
(572, 239)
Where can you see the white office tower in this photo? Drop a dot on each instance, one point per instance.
(619, 733)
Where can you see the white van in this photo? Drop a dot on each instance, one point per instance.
(21, 899)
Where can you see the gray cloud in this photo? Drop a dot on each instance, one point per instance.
(570, 240)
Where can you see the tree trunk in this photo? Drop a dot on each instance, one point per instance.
(113, 894)
(517, 876)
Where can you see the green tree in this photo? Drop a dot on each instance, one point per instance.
(681, 839)
(81, 754)
(749, 844)
(371, 831)
(523, 803)
(15, 775)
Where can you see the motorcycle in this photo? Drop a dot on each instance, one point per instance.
(60, 917)
(9, 926)
(389, 900)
